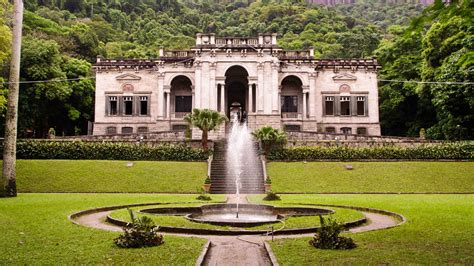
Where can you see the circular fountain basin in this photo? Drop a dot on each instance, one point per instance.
(248, 214)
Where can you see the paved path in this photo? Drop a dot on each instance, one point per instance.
(231, 250)
(376, 221)
(238, 250)
(97, 220)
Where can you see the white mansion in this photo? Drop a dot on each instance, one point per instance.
(285, 89)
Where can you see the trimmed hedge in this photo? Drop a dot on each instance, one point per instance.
(452, 151)
(106, 151)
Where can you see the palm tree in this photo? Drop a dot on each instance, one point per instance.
(268, 137)
(205, 120)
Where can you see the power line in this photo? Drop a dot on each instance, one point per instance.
(383, 80)
(46, 81)
(427, 82)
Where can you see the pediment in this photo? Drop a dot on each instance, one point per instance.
(344, 76)
(128, 77)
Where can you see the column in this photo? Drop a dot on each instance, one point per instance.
(250, 109)
(260, 88)
(223, 98)
(160, 97)
(274, 83)
(168, 104)
(212, 86)
(312, 96)
(304, 105)
(198, 85)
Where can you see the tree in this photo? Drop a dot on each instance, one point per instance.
(206, 120)
(268, 137)
(8, 184)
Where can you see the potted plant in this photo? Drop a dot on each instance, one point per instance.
(268, 184)
(207, 184)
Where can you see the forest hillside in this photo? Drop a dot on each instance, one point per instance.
(62, 38)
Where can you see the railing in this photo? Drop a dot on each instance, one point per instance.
(237, 41)
(180, 54)
(295, 55)
(180, 115)
(291, 115)
(321, 136)
(159, 135)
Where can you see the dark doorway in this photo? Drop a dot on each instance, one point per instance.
(236, 89)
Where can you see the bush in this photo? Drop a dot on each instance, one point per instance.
(327, 236)
(31, 149)
(271, 196)
(203, 195)
(453, 151)
(141, 232)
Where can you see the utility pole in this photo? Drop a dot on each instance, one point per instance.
(8, 180)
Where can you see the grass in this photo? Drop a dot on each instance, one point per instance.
(300, 177)
(35, 230)
(109, 176)
(343, 215)
(439, 231)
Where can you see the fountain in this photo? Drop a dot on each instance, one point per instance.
(240, 155)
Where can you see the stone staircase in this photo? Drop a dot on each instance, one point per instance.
(223, 181)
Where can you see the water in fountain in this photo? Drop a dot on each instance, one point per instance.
(240, 155)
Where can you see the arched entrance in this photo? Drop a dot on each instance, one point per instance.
(236, 84)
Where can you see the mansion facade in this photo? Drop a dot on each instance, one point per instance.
(284, 89)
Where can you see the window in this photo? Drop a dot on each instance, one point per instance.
(361, 131)
(329, 105)
(183, 104)
(127, 130)
(142, 129)
(111, 130)
(180, 127)
(294, 128)
(143, 105)
(346, 130)
(361, 105)
(345, 105)
(113, 105)
(330, 130)
(128, 105)
(289, 104)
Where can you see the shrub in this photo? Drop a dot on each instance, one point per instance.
(203, 195)
(271, 196)
(77, 150)
(327, 236)
(141, 232)
(453, 151)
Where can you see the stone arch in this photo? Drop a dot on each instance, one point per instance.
(181, 93)
(236, 90)
(291, 97)
(188, 76)
(296, 75)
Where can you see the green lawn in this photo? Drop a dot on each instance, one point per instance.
(394, 177)
(109, 176)
(35, 230)
(342, 215)
(440, 230)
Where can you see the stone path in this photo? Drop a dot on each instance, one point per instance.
(97, 220)
(238, 250)
(376, 221)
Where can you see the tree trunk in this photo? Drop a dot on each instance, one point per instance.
(8, 180)
(204, 140)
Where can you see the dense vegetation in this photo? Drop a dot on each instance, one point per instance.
(62, 39)
(453, 151)
(77, 150)
(437, 47)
